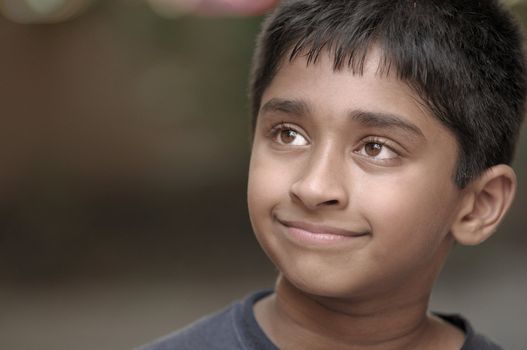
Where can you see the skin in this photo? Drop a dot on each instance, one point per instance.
(351, 195)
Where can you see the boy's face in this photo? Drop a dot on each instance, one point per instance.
(351, 188)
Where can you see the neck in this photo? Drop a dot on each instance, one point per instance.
(295, 320)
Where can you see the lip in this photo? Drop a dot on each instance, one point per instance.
(318, 234)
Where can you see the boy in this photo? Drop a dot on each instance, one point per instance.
(382, 134)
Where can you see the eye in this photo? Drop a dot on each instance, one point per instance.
(286, 135)
(377, 150)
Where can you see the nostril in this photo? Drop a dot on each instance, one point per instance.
(318, 192)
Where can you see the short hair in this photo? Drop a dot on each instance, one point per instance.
(463, 58)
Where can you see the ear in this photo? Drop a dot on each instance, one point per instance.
(486, 200)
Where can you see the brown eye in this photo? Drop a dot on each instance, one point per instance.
(373, 149)
(288, 136)
(377, 150)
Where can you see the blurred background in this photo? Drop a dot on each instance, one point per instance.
(124, 152)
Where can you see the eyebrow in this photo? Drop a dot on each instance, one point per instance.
(385, 121)
(294, 107)
(366, 118)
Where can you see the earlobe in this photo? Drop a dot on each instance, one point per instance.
(486, 201)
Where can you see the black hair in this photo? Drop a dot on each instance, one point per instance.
(463, 58)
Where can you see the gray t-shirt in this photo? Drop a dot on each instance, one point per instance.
(235, 328)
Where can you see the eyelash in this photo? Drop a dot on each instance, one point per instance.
(275, 131)
(378, 140)
(384, 143)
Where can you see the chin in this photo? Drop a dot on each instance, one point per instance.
(329, 285)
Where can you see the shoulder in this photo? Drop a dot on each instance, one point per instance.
(473, 340)
(229, 329)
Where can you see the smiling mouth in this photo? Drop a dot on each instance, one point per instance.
(314, 233)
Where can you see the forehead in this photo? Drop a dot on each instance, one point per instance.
(343, 101)
(371, 87)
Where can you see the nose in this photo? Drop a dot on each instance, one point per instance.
(322, 182)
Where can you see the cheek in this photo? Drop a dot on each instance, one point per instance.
(267, 187)
(411, 215)
(267, 184)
